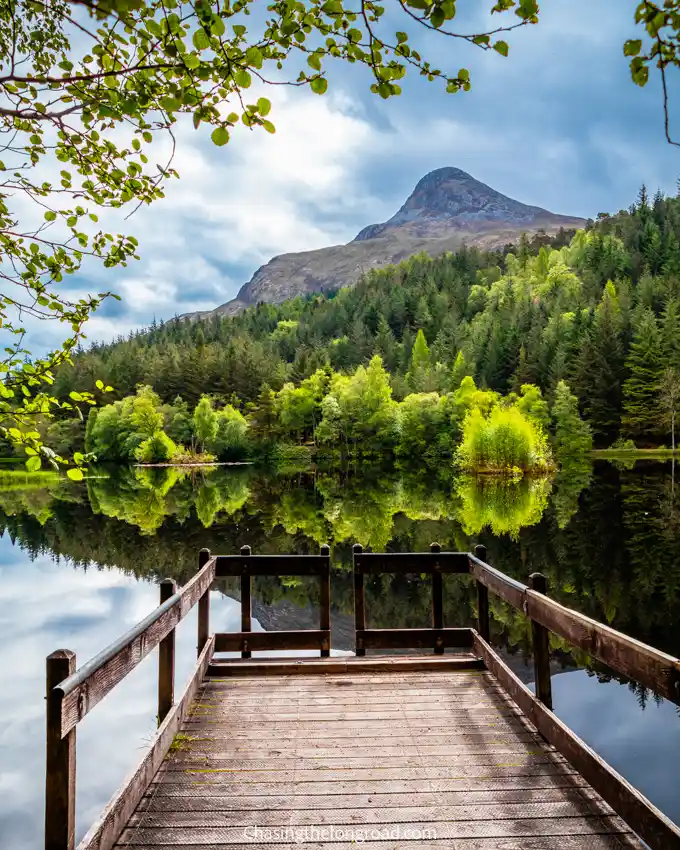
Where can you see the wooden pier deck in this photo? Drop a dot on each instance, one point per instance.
(432, 759)
(447, 751)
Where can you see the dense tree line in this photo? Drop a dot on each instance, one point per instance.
(599, 309)
(348, 415)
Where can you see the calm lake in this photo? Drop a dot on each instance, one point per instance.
(80, 564)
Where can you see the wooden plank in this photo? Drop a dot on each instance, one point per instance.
(60, 756)
(271, 565)
(400, 814)
(490, 767)
(306, 666)
(415, 638)
(507, 588)
(92, 682)
(106, 831)
(566, 842)
(257, 641)
(557, 827)
(651, 667)
(181, 800)
(372, 563)
(644, 818)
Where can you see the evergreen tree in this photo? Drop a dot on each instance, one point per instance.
(598, 376)
(644, 364)
(573, 438)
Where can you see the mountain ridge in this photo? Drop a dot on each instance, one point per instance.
(447, 208)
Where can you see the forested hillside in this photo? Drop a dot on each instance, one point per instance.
(599, 310)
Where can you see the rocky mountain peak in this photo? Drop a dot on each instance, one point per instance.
(448, 208)
(450, 196)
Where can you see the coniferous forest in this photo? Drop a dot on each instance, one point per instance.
(557, 342)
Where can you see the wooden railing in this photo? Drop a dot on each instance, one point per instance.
(71, 693)
(247, 565)
(635, 660)
(434, 563)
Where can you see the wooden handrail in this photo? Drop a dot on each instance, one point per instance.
(629, 657)
(71, 697)
(95, 679)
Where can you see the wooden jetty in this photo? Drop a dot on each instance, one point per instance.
(444, 750)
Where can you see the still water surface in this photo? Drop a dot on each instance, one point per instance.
(79, 565)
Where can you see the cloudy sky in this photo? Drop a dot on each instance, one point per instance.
(558, 124)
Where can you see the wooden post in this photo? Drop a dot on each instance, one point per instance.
(483, 623)
(540, 635)
(166, 659)
(60, 782)
(325, 600)
(246, 603)
(203, 607)
(359, 603)
(437, 600)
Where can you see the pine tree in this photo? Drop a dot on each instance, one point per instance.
(573, 438)
(598, 376)
(641, 411)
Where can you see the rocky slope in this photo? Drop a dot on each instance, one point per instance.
(447, 208)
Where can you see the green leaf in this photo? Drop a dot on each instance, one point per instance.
(75, 474)
(50, 216)
(220, 136)
(33, 464)
(217, 26)
(501, 47)
(201, 40)
(264, 106)
(99, 385)
(319, 85)
(632, 47)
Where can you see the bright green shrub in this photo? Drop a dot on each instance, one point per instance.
(158, 448)
(504, 440)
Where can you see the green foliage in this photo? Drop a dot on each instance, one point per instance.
(503, 441)
(573, 440)
(158, 448)
(205, 422)
(644, 364)
(230, 442)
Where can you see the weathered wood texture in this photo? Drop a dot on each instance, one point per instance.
(651, 667)
(435, 638)
(203, 607)
(92, 682)
(541, 647)
(259, 641)
(60, 784)
(271, 565)
(106, 831)
(483, 619)
(166, 659)
(410, 562)
(278, 762)
(651, 824)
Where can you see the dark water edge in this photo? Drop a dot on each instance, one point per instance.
(79, 565)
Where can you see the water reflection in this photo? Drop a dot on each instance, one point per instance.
(87, 559)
